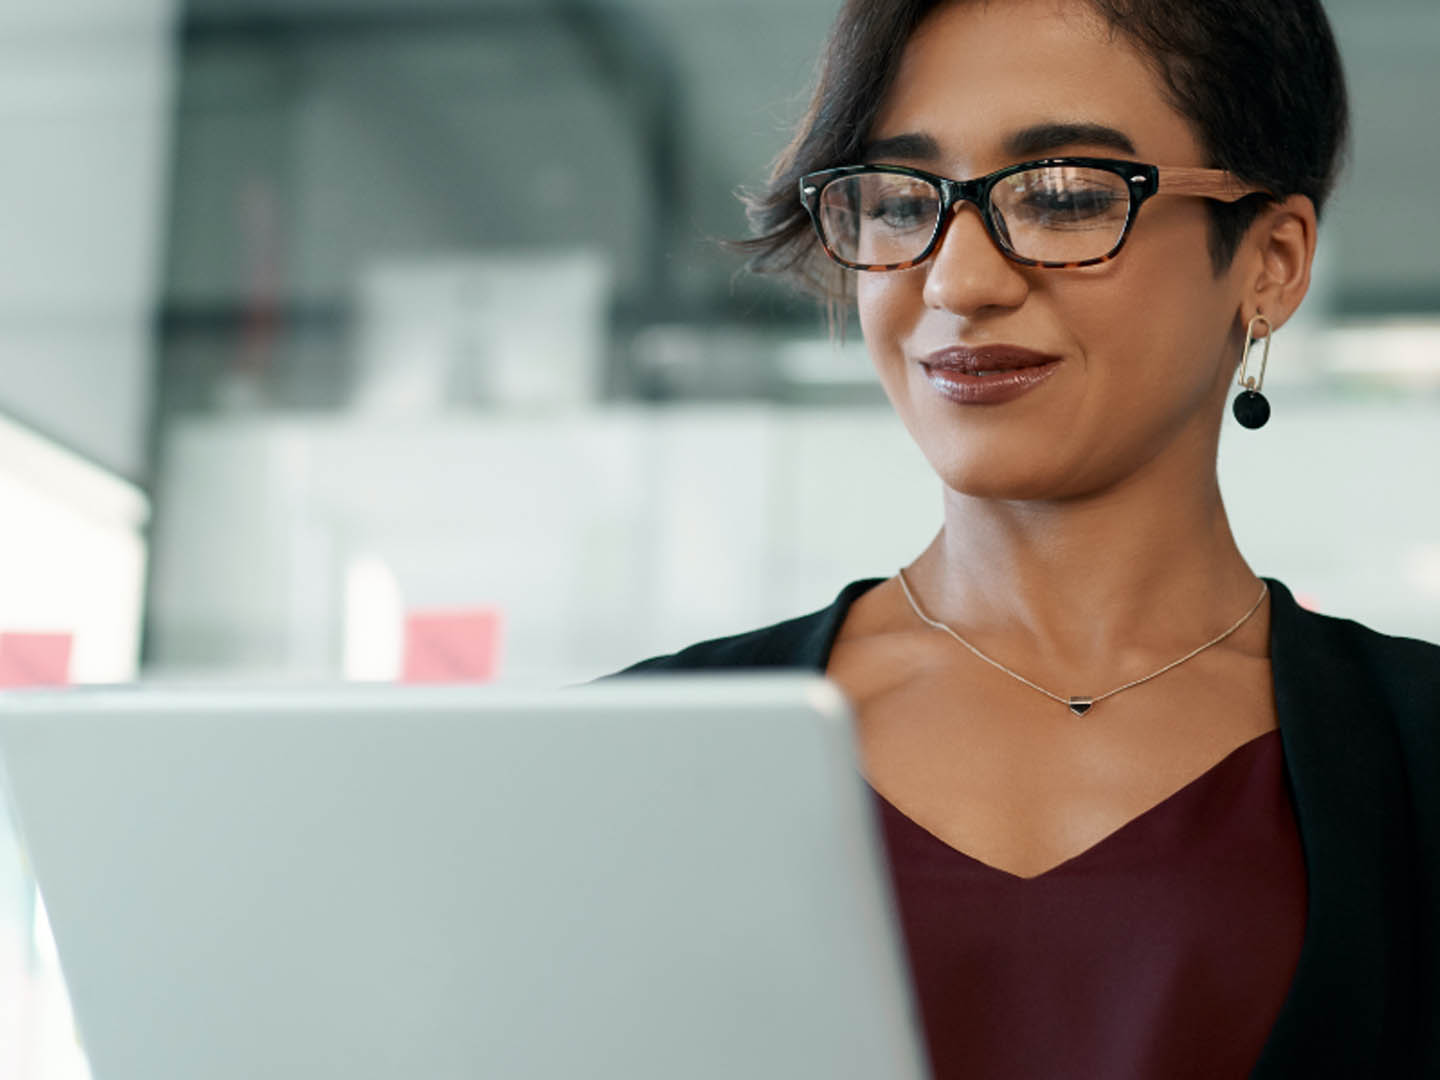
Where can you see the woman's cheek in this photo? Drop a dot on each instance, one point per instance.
(886, 305)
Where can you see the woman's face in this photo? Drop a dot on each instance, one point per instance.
(1147, 342)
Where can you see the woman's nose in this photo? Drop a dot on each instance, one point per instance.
(967, 273)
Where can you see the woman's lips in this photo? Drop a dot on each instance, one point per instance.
(968, 360)
(1011, 372)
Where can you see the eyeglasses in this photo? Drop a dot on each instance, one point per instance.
(1057, 213)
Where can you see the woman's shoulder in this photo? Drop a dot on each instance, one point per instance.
(1404, 666)
(1356, 687)
(804, 641)
(1409, 664)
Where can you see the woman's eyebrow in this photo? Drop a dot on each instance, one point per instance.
(912, 146)
(1029, 142)
(1043, 138)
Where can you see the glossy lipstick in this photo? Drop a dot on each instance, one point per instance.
(1009, 372)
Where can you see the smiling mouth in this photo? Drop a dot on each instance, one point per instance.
(986, 360)
(966, 380)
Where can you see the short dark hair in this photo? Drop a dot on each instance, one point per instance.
(1260, 80)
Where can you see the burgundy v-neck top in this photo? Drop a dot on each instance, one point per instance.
(1164, 951)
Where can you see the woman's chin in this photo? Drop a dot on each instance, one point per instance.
(984, 479)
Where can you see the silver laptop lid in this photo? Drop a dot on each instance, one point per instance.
(647, 878)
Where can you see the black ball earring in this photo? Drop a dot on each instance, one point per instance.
(1251, 407)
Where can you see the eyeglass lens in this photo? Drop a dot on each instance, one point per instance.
(1052, 213)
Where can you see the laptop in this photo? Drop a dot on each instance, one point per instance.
(660, 878)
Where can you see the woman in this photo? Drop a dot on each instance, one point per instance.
(1146, 817)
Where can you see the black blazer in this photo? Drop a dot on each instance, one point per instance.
(1360, 724)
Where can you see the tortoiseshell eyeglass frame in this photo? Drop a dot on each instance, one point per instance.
(1143, 181)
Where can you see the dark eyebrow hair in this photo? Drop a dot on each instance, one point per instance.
(912, 145)
(1042, 138)
(1026, 143)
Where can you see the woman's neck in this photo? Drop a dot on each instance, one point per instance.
(1138, 572)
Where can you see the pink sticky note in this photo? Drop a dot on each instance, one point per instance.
(452, 646)
(35, 659)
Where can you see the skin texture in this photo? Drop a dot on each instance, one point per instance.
(1084, 542)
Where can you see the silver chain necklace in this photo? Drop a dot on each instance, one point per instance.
(1080, 705)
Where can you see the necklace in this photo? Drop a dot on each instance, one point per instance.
(1079, 705)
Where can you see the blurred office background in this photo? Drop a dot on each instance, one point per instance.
(386, 339)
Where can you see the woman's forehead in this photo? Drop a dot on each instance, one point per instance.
(987, 83)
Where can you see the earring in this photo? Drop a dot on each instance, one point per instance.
(1251, 408)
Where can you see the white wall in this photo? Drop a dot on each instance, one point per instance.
(84, 112)
(602, 535)
(72, 559)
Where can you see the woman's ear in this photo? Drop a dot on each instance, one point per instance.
(1281, 250)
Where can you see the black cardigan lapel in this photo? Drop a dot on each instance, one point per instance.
(1348, 1008)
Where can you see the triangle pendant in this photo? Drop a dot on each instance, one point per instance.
(1080, 705)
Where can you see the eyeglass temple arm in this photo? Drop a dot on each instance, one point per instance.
(1208, 183)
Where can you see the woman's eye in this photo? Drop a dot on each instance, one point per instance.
(902, 212)
(1066, 205)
